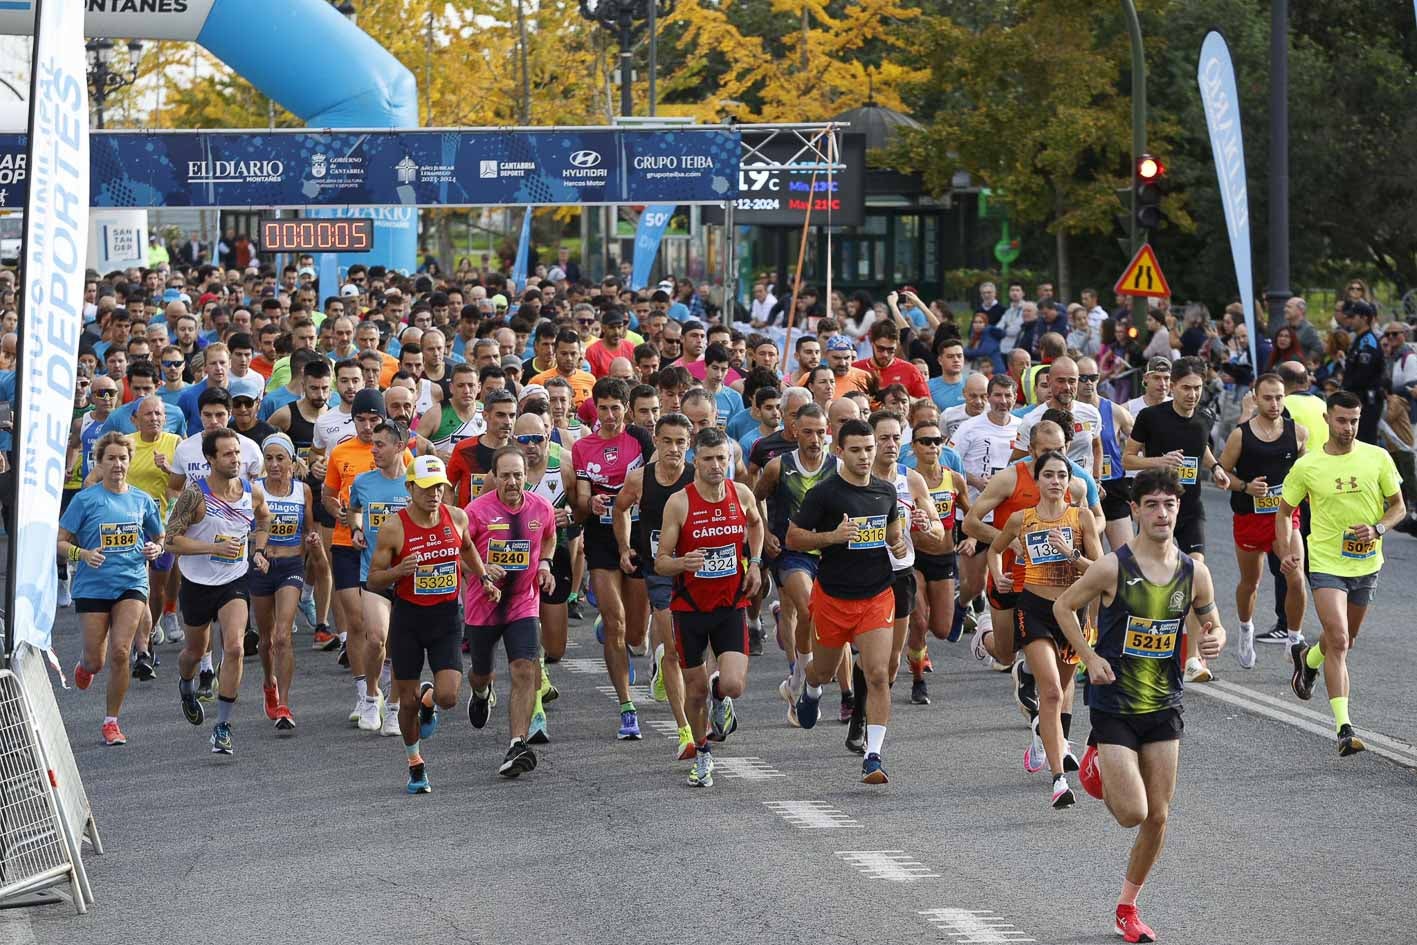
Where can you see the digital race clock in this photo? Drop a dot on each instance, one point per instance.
(310, 235)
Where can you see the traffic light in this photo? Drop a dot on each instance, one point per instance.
(1147, 183)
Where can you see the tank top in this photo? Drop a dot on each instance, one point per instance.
(1271, 460)
(1111, 449)
(1142, 635)
(88, 436)
(943, 495)
(453, 429)
(1024, 496)
(301, 432)
(653, 498)
(905, 503)
(551, 487)
(720, 531)
(223, 519)
(1046, 564)
(287, 516)
(436, 579)
(794, 481)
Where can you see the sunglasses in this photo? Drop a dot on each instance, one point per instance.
(106, 392)
(1088, 378)
(171, 364)
(531, 439)
(930, 440)
(587, 322)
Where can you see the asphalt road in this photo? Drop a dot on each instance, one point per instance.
(311, 838)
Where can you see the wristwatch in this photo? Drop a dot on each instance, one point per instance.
(1381, 529)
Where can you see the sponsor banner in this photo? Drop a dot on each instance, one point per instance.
(143, 19)
(118, 239)
(401, 168)
(56, 237)
(648, 233)
(781, 198)
(523, 251)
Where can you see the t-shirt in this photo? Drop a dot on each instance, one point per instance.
(143, 472)
(1343, 491)
(984, 446)
(599, 356)
(189, 460)
(860, 569)
(951, 419)
(853, 379)
(512, 540)
(581, 383)
(605, 463)
(897, 372)
(121, 420)
(342, 466)
(729, 403)
(256, 432)
(187, 403)
(1087, 425)
(332, 428)
(768, 448)
(1160, 430)
(275, 400)
(740, 423)
(117, 524)
(468, 468)
(946, 394)
(1308, 411)
(377, 497)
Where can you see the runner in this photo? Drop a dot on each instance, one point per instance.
(449, 423)
(852, 519)
(109, 534)
(1111, 476)
(1347, 523)
(472, 458)
(1172, 436)
(650, 487)
(514, 531)
(275, 593)
(1059, 541)
(417, 555)
(1155, 389)
(1059, 388)
(711, 545)
(153, 452)
(213, 522)
(1148, 588)
(547, 475)
(1258, 454)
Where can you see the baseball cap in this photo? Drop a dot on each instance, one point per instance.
(665, 285)
(368, 400)
(243, 396)
(171, 295)
(613, 316)
(534, 390)
(427, 472)
(499, 300)
(843, 343)
(1158, 365)
(306, 271)
(349, 290)
(556, 274)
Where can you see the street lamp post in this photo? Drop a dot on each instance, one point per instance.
(627, 18)
(104, 80)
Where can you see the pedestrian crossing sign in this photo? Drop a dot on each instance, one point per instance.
(1143, 276)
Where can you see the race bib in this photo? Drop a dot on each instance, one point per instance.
(302, 453)
(870, 532)
(511, 554)
(440, 578)
(1151, 639)
(285, 525)
(720, 562)
(654, 543)
(116, 537)
(944, 504)
(1190, 470)
(635, 512)
(232, 559)
(1353, 548)
(1106, 466)
(1268, 504)
(1042, 551)
(475, 481)
(376, 513)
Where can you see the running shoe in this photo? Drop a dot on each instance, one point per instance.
(172, 629)
(418, 779)
(971, 619)
(638, 651)
(722, 719)
(1070, 760)
(344, 655)
(856, 735)
(755, 639)
(848, 706)
(926, 665)
(371, 717)
(872, 771)
(957, 625)
(536, 733)
(272, 700)
(687, 749)
(480, 707)
(82, 677)
(1035, 759)
(358, 709)
(998, 667)
(1025, 690)
(519, 760)
(221, 739)
(599, 629)
(65, 598)
(573, 608)
(1089, 774)
(809, 707)
(323, 639)
(250, 643)
(391, 721)
(113, 735)
(549, 693)
(701, 775)
(1063, 796)
(143, 667)
(1302, 682)
(784, 690)
(1197, 671)
(427, 714)
(1131, 927)
(656, 679)
(629, 726)
(205, 679)
(158, 636)
(305, 613)
(777, 624)
(1245, 646)
(919, 693)
(976, 643)
(192, 708)
(1278, 633)
(1349, 743)
(285, 722)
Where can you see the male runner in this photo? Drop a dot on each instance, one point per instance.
(1355, 496)
(711, 545)
(1085, 446)
(471, 459)
(1147, 589)
(852, 519)
(1111, 476)
(547, 475)
(1155, 387)
(460, 417)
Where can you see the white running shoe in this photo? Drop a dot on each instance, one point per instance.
(1245, 646)
(1197, 671)
(976, 643)
(371, 714)
(157, 637)
(65, 598)
(172, 629)
(784, 689)
(391, 721)
(1035, 757)
(358, 711)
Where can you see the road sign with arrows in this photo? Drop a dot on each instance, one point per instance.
(1143, 276)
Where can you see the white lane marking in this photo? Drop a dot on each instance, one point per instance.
(666, 727)
(748, 769)
(583, 666)
(1280, 712)
(637, 693)
(896, 866)
(970, 926)
(811, 815)
(1372, 738)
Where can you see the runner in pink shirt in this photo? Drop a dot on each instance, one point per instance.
(515, 532)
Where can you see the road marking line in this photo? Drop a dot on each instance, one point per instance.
(1378, 745)
(637, 693)
(1372, 738)
(583, 666)
(748, 769)
(810, 815)
(666, 727)
(896, 866)
(974, 926)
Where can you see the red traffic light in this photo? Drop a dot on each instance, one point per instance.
(1149, 168)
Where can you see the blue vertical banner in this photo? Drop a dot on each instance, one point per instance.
(1216, 75)
(648, 234)
(56, 241)
(523, 253)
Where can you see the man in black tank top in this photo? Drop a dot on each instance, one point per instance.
(651, 486)
(1258, 455)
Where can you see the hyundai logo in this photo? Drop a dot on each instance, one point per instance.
(585, 158)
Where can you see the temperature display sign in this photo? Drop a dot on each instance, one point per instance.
(347, 235)
(780, 198)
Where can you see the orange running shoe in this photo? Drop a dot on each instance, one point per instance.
(113, 735)
(272, 701)
(82, 677)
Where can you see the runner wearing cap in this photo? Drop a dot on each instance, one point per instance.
(840, 353)
(417, 554)
(1155, 389)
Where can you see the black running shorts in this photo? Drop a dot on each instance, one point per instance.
(1133, 731)
(416, 632)
(725, 629)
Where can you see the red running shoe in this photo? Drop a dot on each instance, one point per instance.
(112, 735)
(82, 677)
(1131, 927)
(272, 701)
(1089, 774)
